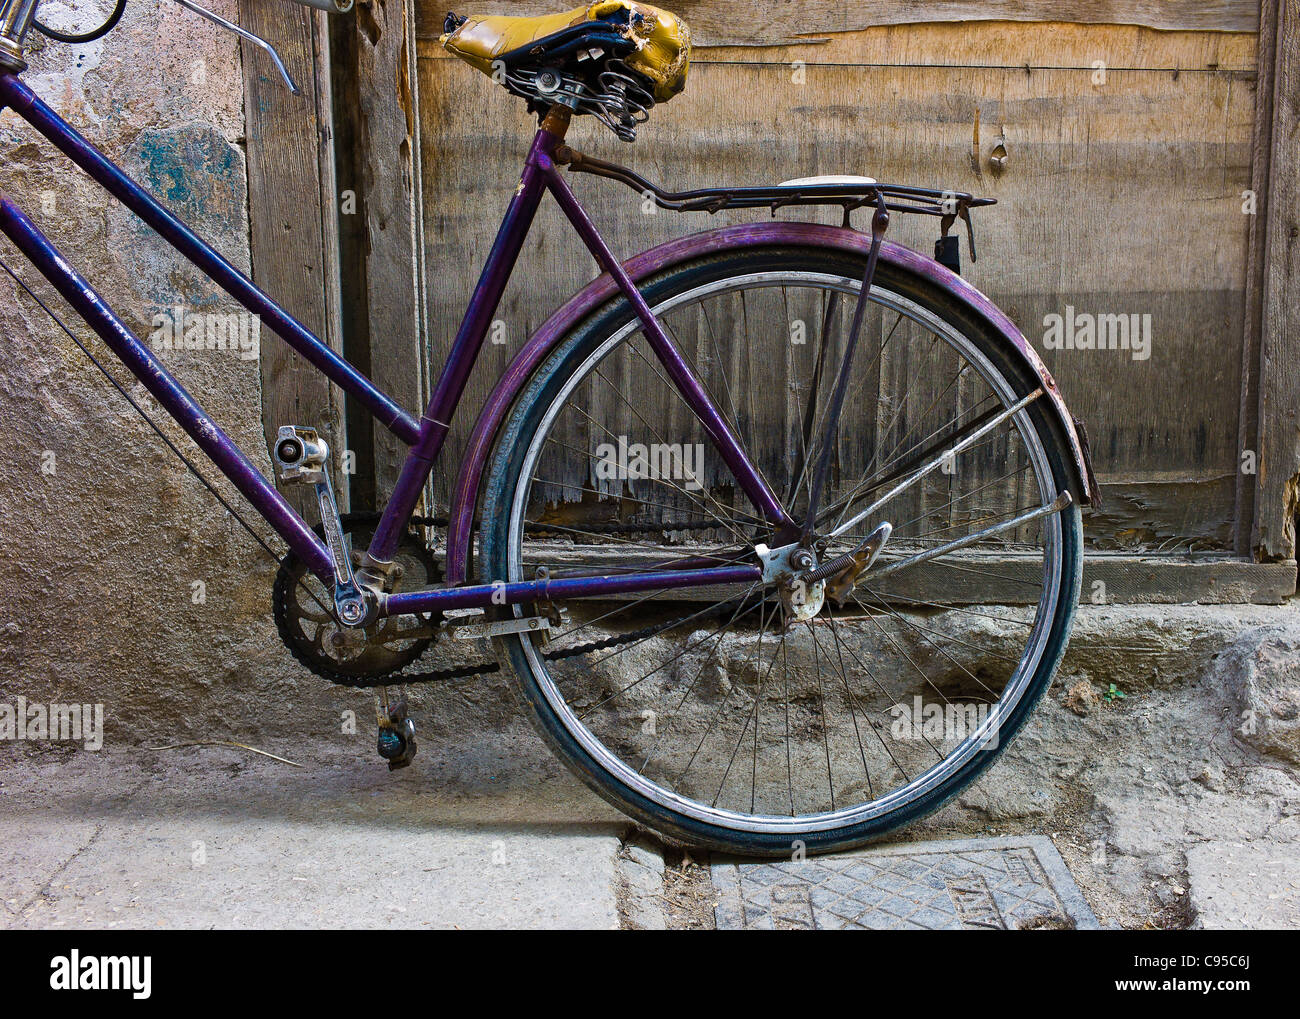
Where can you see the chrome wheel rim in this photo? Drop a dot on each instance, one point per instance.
(926, 781)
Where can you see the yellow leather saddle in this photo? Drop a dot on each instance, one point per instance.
(651, 42)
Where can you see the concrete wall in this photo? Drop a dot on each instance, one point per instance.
(123, 582)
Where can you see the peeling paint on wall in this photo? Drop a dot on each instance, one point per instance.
(200, 176)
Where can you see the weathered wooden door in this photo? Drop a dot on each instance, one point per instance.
(1143, 240)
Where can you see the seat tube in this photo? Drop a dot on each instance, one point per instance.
(436, 420)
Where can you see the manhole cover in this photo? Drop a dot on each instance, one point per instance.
(971, 884)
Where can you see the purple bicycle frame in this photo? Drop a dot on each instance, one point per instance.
(426, 436)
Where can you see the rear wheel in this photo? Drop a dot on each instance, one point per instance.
(736, 717)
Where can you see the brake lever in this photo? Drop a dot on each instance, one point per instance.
(329, 6)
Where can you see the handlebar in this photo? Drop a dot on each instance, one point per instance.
(17, 16)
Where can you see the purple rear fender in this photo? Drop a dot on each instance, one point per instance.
(466, 493)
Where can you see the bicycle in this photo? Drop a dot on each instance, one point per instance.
(725, 610)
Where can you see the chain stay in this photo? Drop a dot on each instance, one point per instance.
(491, 668)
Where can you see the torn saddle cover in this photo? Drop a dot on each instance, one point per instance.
(653, 42)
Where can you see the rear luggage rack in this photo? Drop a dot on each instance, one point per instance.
(848, 193)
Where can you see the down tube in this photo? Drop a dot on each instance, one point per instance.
(683, 376)
(114, 180)
(170, 394)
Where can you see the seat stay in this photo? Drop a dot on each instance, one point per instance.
(688, 383)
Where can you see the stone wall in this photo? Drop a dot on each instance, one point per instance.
(124, 583)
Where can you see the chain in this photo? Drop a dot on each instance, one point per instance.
(609, 642)
(410, 679)
(488, 668)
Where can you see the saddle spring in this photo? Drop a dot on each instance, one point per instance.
(623, 101)
(618, 98)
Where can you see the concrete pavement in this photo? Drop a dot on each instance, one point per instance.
(216, 837)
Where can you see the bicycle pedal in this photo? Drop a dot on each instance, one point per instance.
(396, 740)
(300, 454)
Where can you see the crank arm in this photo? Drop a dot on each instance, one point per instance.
(935, 463)
(349, 602)
(303, 456)
(1061, 502)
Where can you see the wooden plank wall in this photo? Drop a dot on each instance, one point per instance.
(292, 218)
(772, 22)
(387, 177)
(1118, 196)
(1278, 492)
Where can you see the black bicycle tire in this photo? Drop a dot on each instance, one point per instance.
(514, 440)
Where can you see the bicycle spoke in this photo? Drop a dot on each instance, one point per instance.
(821, 700)
(673, 690)
(698, 502)
(934, 463)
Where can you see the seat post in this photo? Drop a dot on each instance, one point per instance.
(557, 120)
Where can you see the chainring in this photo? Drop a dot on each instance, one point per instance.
(304, 614)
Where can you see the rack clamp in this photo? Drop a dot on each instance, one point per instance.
(947, 250)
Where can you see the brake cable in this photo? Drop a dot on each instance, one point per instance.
(81, 37)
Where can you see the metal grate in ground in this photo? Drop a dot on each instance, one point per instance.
(969, 884)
